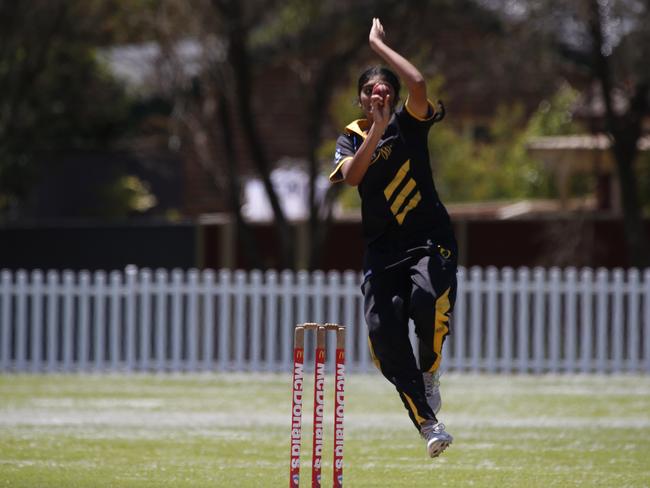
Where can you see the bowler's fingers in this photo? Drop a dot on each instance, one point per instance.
(385, 107)
(378, 25)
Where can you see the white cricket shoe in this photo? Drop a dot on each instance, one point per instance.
(438, 439)
(432, 390)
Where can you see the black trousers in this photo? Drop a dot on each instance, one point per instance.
(421, 287)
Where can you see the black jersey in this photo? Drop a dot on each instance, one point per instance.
(400, 206)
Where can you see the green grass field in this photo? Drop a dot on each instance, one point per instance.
(232, 430)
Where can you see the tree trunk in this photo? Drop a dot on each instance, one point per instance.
(244, 232)
(625, 131)
(239, 59)
(320, 217)
(625, 153)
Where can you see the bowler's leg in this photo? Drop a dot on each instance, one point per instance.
(387, 319)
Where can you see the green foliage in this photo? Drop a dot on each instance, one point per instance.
(57, 97)
(470, 170)
(289, 19)
(501, 168)
(555, 116)
(345, 105)
(125, 195)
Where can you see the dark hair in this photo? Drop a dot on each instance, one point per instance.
(384, 73)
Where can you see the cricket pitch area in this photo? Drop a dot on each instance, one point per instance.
(232, 429)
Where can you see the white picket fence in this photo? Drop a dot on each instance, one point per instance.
(524, 320)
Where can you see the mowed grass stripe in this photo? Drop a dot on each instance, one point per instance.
(233, 430)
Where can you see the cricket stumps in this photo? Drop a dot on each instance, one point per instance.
(319, 402)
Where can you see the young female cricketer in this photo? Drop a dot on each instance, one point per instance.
(411, 254)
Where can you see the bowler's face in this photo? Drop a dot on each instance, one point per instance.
(365, 96)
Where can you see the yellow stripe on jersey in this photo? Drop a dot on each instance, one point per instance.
(413, 202)
(399, 176)
(399, 200)
(403, 196)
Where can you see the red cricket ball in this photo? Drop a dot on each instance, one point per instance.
(381, 89)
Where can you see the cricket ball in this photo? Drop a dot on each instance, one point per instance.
(382, 90)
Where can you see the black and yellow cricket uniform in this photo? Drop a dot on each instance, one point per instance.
(411, 254)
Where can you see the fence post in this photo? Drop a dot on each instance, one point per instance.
(37, 320)
(131, 273)
(523, 323)
(475, 328)
(115, 330)
(68, 320)
(349, 317)
(554, 320)
(633, 289)
(286, 319)
(600, 294)
(492, 329)
(160, 322)
(507, 294)
(617, 331)
(225, 320)
(208, 318)
(84, 294)
(192, 322)
(601, 320)
(570, 279)
(646, 320)
(255, 334)
(53, 335)
(271, 321)
(100, 320)
(21, 321)
(5, 324)
(586, 291)
(363, 356)
(538, 320)
(177, 319)
(333, 290)
(239, 331)
(145, 319)
(458, 334)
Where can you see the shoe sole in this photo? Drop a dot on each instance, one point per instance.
(435, 447)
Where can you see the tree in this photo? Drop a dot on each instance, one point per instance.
(54, 94)
(317, 43)
(312, 41)
(606, 42)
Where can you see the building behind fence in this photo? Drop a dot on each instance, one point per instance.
(524, 320)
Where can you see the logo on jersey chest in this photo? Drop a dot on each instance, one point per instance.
(382, 152)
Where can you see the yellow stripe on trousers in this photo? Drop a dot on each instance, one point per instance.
(411, 405)
(417, 416)
(373, 355)
(441, 327)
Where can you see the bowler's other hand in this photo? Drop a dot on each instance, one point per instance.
(377, 33)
